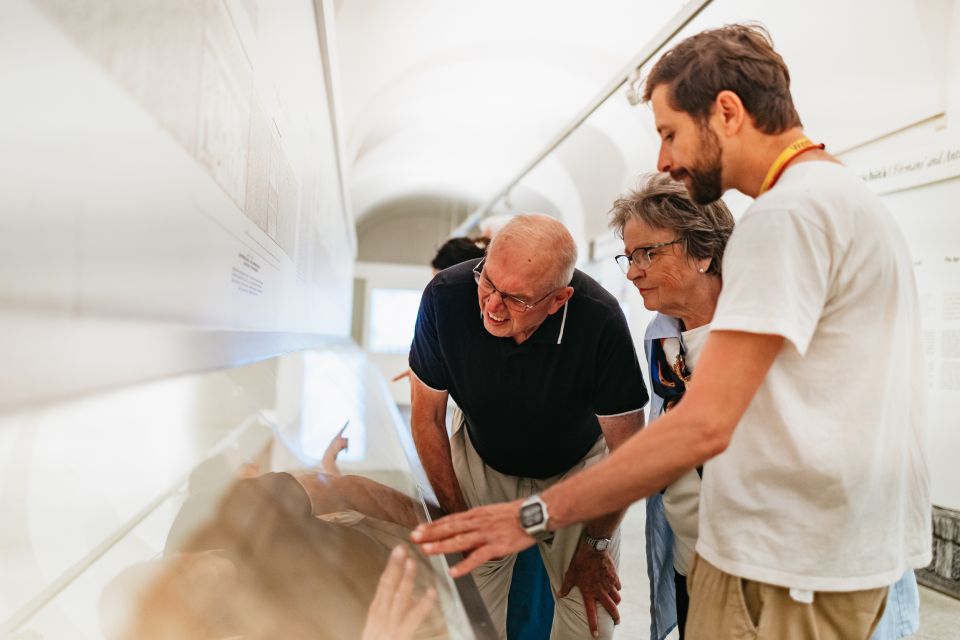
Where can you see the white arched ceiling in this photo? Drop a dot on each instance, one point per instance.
(409, 230)
(452, 98)
(597, 167)
(551, 181)
(591, 168)
(526, 200)
(455, 97)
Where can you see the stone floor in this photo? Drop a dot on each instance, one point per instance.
(635, 603)
(939, 614)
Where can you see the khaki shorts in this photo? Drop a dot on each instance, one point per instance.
(482, 484)
(725, 606)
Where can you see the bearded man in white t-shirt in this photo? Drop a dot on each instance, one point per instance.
(810, 384)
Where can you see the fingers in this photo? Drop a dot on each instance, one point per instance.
(416, 615)
(459, 542)
(391, 615)
(596, 578)
(607, 603)
(472, 561)
(394, 570)
(458, 532)
(402, 598)
(590, 605)
(338, 444)
(389, 580)
(442, 528)
(487, 532)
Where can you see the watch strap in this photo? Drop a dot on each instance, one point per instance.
(597, 544)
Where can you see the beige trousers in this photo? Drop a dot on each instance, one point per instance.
(724, 606)
(482, 485)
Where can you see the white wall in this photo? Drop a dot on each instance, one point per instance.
(170, 202)
(929, 218)
(172, 169)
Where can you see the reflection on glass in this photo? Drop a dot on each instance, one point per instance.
(393, 315)
(329, 405)
(283, 556)
(219, 505)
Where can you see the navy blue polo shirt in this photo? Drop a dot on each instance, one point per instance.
(531, 408)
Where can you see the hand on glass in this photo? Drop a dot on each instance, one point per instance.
(329, 461)
(595, 574)
(488, 532)
(394, 613)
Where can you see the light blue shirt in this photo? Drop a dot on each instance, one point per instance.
(900, 618)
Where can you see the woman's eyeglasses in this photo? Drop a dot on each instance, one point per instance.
(642, 257)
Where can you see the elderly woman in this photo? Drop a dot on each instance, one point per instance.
(673, 254)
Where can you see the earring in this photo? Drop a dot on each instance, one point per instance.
(701, 269)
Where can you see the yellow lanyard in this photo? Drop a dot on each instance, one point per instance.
(786, 156)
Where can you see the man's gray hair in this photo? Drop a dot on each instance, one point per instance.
(548, 237)
(663, 203)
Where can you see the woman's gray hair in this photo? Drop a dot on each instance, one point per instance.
(661, 202)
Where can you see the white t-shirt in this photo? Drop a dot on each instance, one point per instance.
(824, 486)
(681, 499)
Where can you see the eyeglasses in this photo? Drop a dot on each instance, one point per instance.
(514, 303)
(641, 256)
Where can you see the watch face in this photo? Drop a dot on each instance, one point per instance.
(531, 515)
(602, 544)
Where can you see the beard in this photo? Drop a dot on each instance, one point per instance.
(705, 176)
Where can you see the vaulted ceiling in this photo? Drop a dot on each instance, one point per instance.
(443, 102)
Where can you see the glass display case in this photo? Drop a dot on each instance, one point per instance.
(262, 501)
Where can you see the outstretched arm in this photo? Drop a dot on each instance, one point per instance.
(616, 431)
(329, 494)
(731, 369)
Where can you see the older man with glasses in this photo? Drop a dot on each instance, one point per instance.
(546, 381)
